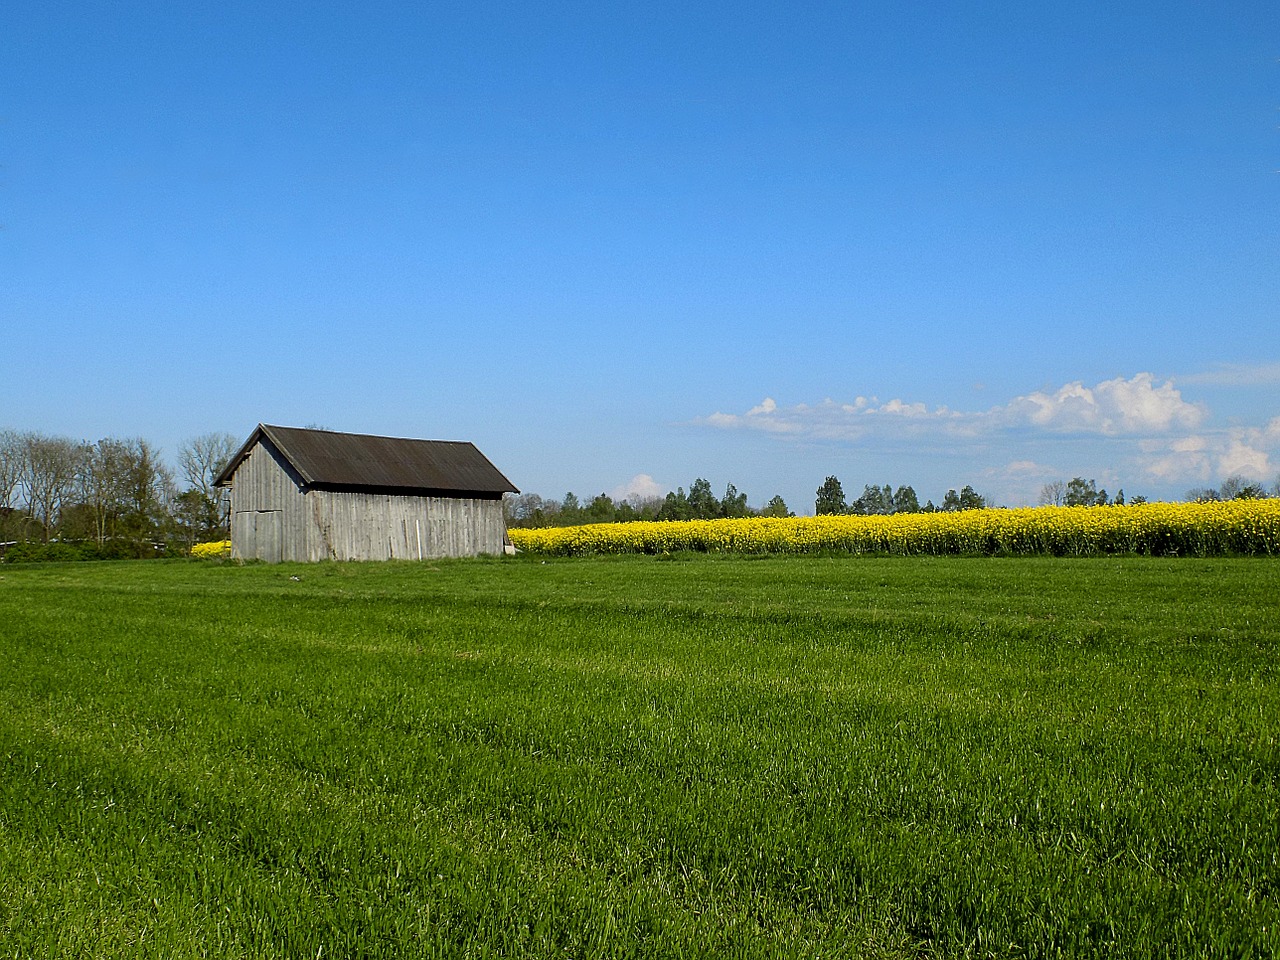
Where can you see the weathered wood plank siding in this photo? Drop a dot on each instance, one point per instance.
(371, 526)
(268, 509)
(273, 518)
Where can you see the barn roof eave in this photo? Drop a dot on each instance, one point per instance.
(224, 478)
(325, 459)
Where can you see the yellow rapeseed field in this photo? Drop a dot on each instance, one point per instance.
(1250, 527)
(212, 551)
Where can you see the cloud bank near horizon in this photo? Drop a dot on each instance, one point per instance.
(1161, 434)
(640, 487)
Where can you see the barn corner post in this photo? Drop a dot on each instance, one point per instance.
(304, 494)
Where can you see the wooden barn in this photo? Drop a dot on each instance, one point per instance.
(308, 495)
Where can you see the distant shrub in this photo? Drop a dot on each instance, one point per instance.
(32, 551)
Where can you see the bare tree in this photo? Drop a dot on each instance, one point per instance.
(149, 488)
(1236, 487)
(202, 458)
(10, 475)
(48, 476)
(645, 506)
(521, 507)
(1053, 494)
(103, 484)
(10, 466)
(1201, 495)
(1231, 486)
(201, 510)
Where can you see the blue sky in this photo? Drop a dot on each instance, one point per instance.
(620, 247)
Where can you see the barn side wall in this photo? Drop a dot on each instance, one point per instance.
(274, 519)
(373, 526)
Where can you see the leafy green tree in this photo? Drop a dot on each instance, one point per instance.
(905, 500)
(570, 512)
(1084, 493)
(830, 498)
(675, 506)
(600, 510)
(966, 499)
(703, 504)
(198, 518)
(873, 501)
(776, 507)
(734, 504)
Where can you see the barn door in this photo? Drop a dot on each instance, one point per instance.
(269, 534)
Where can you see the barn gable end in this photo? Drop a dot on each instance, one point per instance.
(309, 495)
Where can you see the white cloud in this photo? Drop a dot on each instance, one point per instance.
(1113, 407)
(1243, 459)
(761, 417)
(1018, 482)
(640, 487)
(1183, 459)
(1027, 468)
(1128, 430)
(896, 408)
(1250, 452)
(1136, 406)
(1263, 374)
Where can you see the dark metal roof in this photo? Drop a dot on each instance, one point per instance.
(358, 461)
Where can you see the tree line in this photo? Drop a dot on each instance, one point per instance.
(1079, 492)
(114, 497)
(884, 500)
(1234, 488)
(699, 503)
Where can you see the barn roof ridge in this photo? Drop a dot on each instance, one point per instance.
(360, 461)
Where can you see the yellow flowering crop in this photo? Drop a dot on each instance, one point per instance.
(212, 551)
(1246, 527)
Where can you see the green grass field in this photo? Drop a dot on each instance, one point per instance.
(638, 757)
